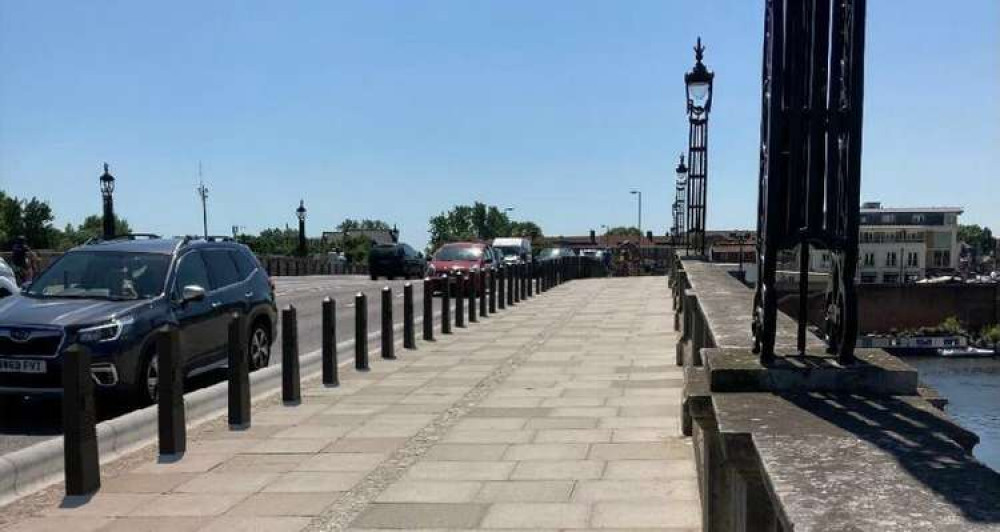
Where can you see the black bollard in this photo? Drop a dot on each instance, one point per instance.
(481, 292)
(446, 304)
(409, 335)
(428, 310)
(523, 279)
(361, 332)
(291, 385)
(170, 390)
(516, 285)
(502, 288)
(239, 374)
(471, 288)
(460, 288)
(331, 372)
(79, 420)
(510, 285)
(531, 279)
(388, 341)
(493, 291)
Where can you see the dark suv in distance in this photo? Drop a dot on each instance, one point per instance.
(396, 260)
(114, 295)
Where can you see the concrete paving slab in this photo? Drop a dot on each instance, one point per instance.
(417, 516)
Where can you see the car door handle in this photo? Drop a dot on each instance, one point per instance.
(216, 304)
(249, 294)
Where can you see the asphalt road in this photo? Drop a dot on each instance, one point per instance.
(27, 421)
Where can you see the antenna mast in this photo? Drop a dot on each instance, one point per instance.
(203, 194)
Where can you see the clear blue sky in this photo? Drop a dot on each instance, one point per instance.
(400, 109)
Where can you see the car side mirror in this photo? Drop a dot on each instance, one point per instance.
(192, 292)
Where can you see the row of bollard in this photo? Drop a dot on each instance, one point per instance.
(477, 295)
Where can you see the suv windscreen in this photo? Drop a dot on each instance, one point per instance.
(103, 275)
(458, 253)
(509, 251)
(384, 250)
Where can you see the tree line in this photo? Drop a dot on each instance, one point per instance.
(479, 222)
(33, 219)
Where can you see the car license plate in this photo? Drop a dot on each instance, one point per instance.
(22, 366)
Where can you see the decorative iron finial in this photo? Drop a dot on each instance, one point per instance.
(105, 168)
(699, 51)
(682, 159)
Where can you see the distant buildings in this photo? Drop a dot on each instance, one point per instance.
(902, 245)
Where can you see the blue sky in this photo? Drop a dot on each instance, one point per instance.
(400, 109)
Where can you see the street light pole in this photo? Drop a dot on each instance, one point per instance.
(680, 210)
(639, 194)
(301, 214)
(107, 192)
(698, 83)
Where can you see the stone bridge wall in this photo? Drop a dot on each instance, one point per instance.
(805, 444)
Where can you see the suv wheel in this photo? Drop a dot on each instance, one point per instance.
(259, 347)
(147, 386)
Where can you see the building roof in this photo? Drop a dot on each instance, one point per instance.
(602, 241)
(889, 210)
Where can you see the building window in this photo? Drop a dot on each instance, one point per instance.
(890, 278)
(888, 219)
(869, 260)
(941, 258)
(868, 278)
(912, 260)
(890, 259)
(918, 219)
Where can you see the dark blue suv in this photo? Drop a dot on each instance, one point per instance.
(113, 295)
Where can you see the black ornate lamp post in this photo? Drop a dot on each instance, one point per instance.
(699, 104)
(680, 208)
(639, 194)
(741, 239)
(107, 192)
(301, 214)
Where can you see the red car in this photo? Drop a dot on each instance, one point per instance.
(458, 258)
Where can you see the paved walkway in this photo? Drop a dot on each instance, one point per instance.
(559, 414)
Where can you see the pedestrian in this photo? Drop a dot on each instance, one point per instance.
(24, 261)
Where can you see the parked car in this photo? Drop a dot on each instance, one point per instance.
(396, 260)
(458, 258)
(114, 296)
(513, 250)
(554, 253)
(8, 282)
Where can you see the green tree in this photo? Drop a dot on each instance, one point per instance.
(350, 224)
(92, 227)
(992, 335)
(624, 231)
(951, 325)
(31, 219)
(477, 222)
(979, 238)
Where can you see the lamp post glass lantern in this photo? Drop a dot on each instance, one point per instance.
(107, 196)
(698, 85)
(300, 213)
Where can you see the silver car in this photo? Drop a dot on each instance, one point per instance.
(8, 283)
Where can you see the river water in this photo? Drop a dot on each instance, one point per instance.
(972, 386)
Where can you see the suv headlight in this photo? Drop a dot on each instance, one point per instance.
(107, 332)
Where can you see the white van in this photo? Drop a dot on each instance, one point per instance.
(514, 250)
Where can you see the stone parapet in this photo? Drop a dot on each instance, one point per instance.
(804, 444)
